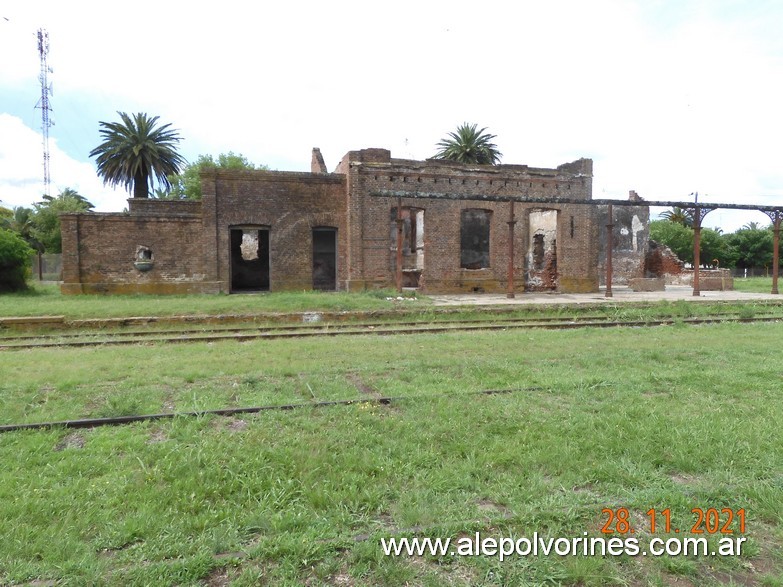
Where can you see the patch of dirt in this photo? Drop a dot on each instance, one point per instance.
(746, 579)
(229, 423)
(219, 577)
(224, 555)
(72, 440)
(492, 507)
(157, 436)
(357, 382)
(386, 520)
(237, 425)
(677, 581)
(584, 488)
(342, 580)
(683, 478)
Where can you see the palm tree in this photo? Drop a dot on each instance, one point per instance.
(21, 222)
(135, 151)
(469, 145)
(677, 215)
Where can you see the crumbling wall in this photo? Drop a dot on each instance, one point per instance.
(630, 236)
(375, 180)
(660, 261)
(189, 243)
(412, 244)
(541, 267)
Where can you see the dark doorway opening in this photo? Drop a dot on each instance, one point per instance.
(249, 259)
(325, 259)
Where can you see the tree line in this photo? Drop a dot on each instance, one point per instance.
(749, 247)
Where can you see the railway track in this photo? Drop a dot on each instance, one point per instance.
(280, 331)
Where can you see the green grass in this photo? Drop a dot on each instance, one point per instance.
(754, 284)
(676, 417)
(46, 300)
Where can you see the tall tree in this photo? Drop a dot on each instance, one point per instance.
(135, 152)
(715, 250)
(21, 222)
(752, 247)
(469, 145)
(14, 261)
(46, 217)
(678, 215)
(187, 185)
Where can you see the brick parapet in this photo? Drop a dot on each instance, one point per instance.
(169, 208)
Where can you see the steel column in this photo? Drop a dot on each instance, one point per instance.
(696, 250)
(609, 247)
(699, 212)
(775, 253)
(775, 217)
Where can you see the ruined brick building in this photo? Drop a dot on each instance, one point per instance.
(273, 231)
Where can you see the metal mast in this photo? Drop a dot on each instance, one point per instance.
(43, 103)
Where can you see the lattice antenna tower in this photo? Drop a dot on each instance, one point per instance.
(43, 103)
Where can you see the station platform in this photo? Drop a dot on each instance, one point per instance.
(620, 295)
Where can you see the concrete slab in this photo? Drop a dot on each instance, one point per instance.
(621, 294)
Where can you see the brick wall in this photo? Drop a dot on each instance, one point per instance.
(99, 252)
(443, 190)
(191, 241)
(290, 205)
(631, 234)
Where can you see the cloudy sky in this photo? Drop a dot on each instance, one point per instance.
(667, 97)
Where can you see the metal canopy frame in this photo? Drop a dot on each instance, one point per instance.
(699, 211)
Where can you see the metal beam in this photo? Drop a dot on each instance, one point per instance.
(523, 199)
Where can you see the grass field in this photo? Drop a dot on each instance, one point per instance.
(754, 284)
(676, 417)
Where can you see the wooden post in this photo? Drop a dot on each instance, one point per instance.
(511, 223)
(609, 247)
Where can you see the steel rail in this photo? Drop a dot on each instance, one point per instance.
(331, 330)
(119, 420)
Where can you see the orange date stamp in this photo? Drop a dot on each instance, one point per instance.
(703, 521)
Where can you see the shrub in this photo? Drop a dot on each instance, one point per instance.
(14, 261)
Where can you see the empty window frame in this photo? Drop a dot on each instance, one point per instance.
(474, 238)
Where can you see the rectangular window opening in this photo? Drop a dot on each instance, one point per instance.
(474, 238)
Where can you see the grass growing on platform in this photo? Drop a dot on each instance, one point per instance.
(673, 417)
(46, 300)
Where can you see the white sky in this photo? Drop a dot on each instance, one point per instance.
(667, 97)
